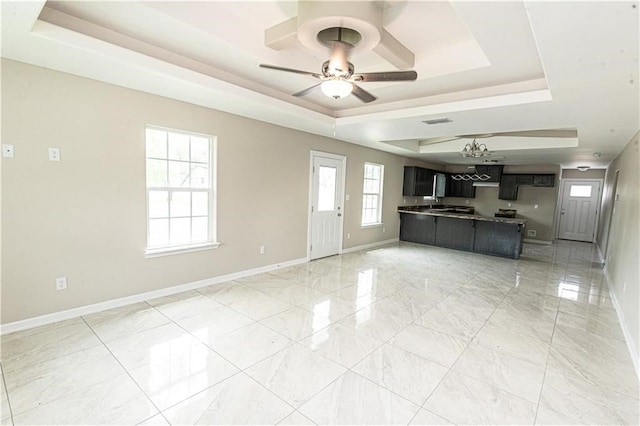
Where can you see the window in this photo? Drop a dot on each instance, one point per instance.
(580, 191)
(372, 194)
(180, 191)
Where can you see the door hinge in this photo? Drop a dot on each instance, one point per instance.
(310, 247)
(311, 209)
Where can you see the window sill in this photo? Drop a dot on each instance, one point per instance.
(169, 251)
(372, 225)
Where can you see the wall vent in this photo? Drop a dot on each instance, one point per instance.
(438, 121)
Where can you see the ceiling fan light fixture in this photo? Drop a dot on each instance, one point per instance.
(336, 88)
(475, 150)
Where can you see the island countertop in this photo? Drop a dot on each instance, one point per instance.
(425, 210)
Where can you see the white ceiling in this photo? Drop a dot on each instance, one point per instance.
(489, 67)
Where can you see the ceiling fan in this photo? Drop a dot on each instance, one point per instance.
(338, 75)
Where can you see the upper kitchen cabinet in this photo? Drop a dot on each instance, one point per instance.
(508, 187)
(421, 182)
(494, 172)
(460, 188)
(509, 184)
(546, 181)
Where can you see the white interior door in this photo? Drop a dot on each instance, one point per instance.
(327, 179)
(579, 210)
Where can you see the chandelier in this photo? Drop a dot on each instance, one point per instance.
(475, 150)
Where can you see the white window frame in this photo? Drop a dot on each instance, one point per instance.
(211, 242)
(379, 194)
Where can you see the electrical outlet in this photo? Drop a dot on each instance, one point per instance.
(531, 233)
(347, 197)
(54, 154)
(535, 206)
(61, 283)
(348, 235)
(508, 204)
(7, 150)
(261, 249)
(384, 230)
(466, 201)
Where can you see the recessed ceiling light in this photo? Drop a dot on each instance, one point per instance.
(597, 154)
(583, 168)
(438, 121)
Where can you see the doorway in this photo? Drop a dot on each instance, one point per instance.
(579, 209)
(326, 204)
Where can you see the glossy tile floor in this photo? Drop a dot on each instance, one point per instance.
(403, 334)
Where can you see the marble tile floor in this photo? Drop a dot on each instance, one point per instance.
(403, 334)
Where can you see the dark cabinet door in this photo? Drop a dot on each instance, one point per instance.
(467, 189)
(455, 233)
(460, 188)
(498, 239)
(508, 187)
(544, 180)
(418, 228)
(524, 180)
(494, 172)
(418, 181)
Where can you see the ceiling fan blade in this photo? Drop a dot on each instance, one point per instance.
(273, 67)
(386, 76)
(362, 94)
(307, 90)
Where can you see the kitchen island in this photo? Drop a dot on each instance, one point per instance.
(458, 228)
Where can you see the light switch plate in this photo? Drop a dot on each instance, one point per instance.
(7, 150)
(54, 154)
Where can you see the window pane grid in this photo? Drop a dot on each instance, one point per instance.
(372, 194)
(179, 192)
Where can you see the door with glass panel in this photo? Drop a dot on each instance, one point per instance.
(326, 205)
(579, 209)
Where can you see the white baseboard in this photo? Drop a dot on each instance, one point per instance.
(546, 243)
(625, 331)
(600, 255)
(141, 297)
(368, 246)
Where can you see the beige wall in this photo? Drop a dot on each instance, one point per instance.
(84, 217)
(587, 174)
(621, 242)
(540, 219)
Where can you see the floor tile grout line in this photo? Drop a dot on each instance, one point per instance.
(205, 343)
(546, 367)
(6, 390)
(126, 371)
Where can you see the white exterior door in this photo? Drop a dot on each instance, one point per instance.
(579, 210)
(327, 183)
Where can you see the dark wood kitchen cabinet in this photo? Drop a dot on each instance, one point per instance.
(418, 181)
(455, 233)
(509, 184)
(508, 187)
(421, 182)
(546, 181)
(524, 180)
(417, 228)
(494, 172)
(460, 188)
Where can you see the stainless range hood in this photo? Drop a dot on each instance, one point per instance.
(489, 184)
